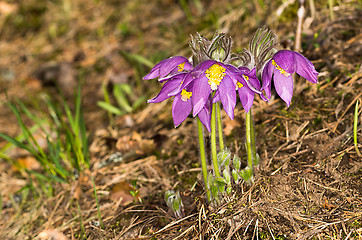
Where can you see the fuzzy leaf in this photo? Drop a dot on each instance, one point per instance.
(223, 157)
(246, 174)
(236, 162)
(227, 176)
(235, 175)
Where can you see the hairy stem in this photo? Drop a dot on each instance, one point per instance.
(249, 150)
(252, 134)
(219, 126)
(203, 156)
(213, 141)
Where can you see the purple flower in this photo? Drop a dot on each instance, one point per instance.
(246, 86)
(182, 103)
(210, 76)
(282, 65)
(172, 84)
(182, 106)
(169, 67)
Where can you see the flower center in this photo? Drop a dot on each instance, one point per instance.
(239, 85)
(215, 74)
(185, 95)
(281, 70)
(181, 67)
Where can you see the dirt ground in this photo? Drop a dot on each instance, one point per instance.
(308, 184)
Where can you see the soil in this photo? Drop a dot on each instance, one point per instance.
(309, 181)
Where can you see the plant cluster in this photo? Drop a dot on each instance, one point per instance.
(215, 75)
(66, 152)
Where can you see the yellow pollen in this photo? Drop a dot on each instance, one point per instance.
(181, 67)
(215, 74)
(281, 70)
(185, 95)
(246, 77)
(239, 85)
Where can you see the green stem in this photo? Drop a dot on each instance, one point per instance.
(213, 141)
(252, 133)
(219, 127)
(249, 150)
(203, 156)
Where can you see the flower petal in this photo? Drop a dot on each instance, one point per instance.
(216, 97)
(188, 66)
(267, 75)
(180, 110)
(253, 79)
(228, 95)
(286, 60)
(305, 68)
(283, 86)
(171, 65)
(155, 71)
(200, 93)
(205, 115)
(246, 97)
(168, 87)
(193, 75)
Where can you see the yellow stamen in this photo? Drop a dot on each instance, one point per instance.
(245, 77)
(239, 85)
(185, 95)
(181, 67)
(281, 70)
(215, 74)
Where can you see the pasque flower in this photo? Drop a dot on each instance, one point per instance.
(208, 77)
(182, 104)
(247, 85)
(169, 67)
(280, 68)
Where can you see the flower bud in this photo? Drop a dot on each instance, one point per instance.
(174, 202)
(236, 162)
(235, 175)
(247, 174)
(223, 158)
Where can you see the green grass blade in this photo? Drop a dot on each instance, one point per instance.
(18, 144)
(72, 149)
(110, 108)
(126, 88)
(54, 155)
(137, 58)
(54, 113)
(84, 139)
(119, 94)
(139, 102)
(96, 198)
(37, 120)
(355, 123)
(107, 100)
(25, 130)
(78, 104)
(68, 113)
